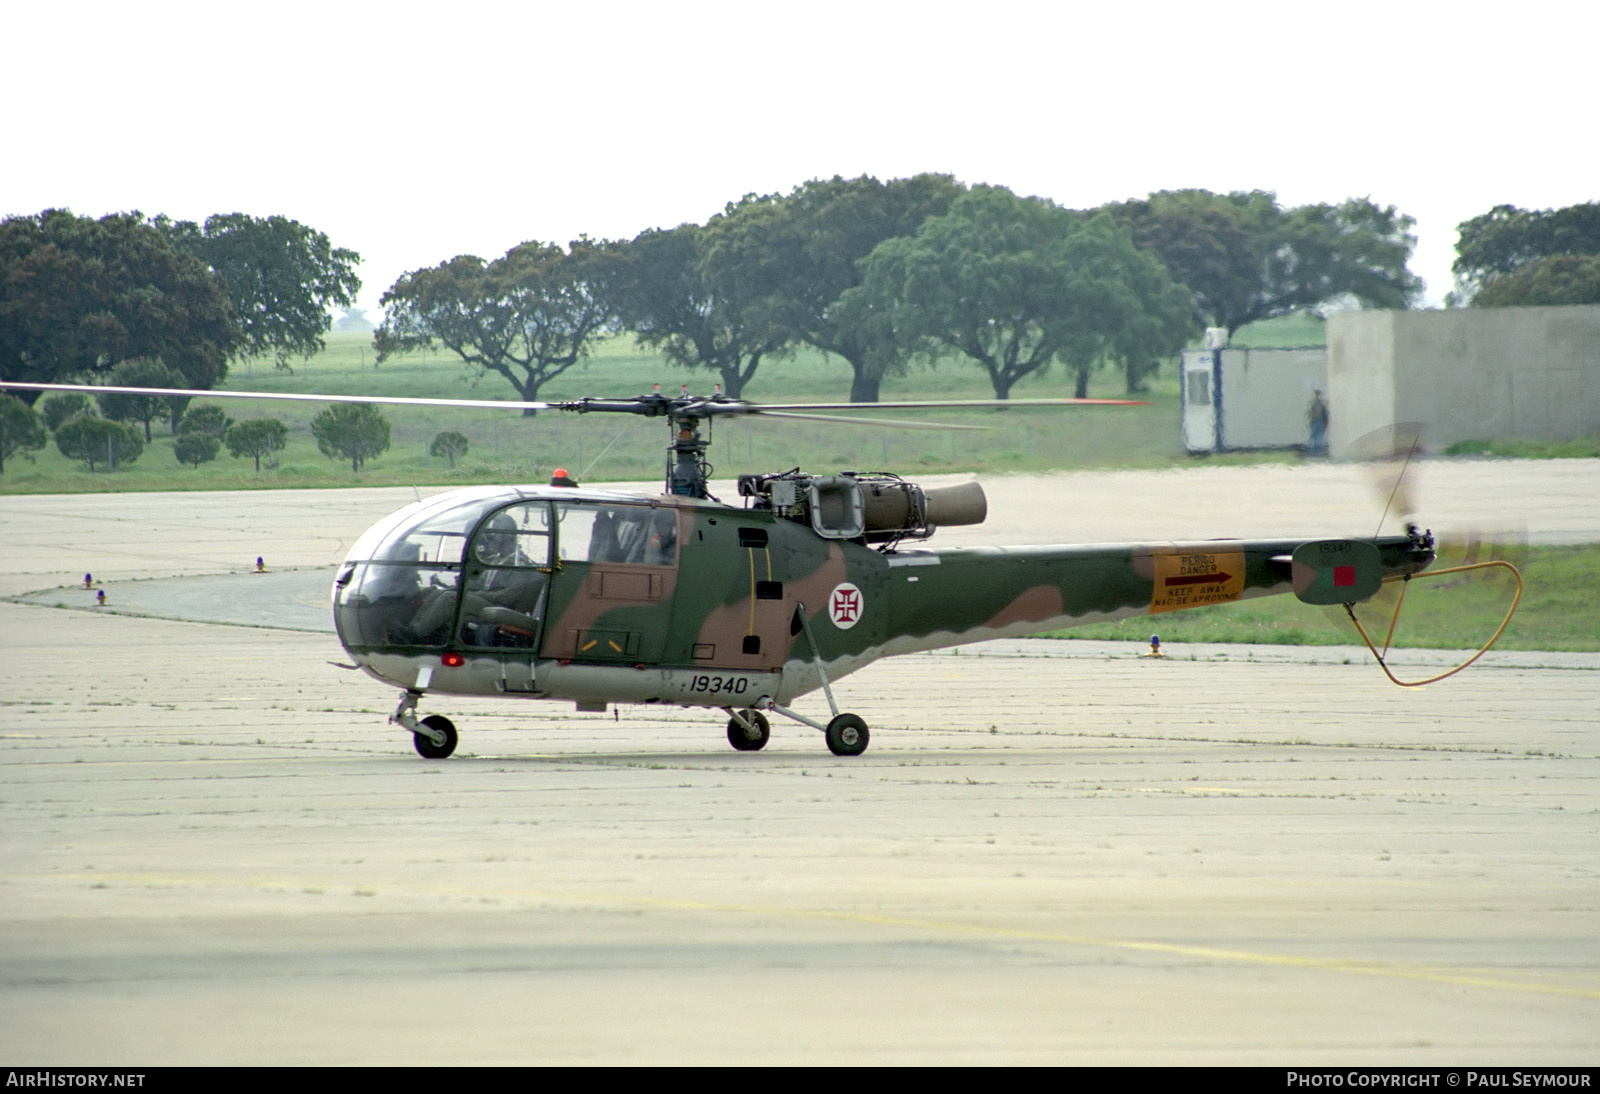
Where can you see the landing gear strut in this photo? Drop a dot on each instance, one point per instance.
(847, 733)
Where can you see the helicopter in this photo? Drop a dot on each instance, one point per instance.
(561, 592)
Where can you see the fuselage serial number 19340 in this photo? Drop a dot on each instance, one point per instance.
(720, 685)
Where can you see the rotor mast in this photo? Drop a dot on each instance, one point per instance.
(687, 471)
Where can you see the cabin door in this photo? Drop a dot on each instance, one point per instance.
(615, 572)
(505, 587)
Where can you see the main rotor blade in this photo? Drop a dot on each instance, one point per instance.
(201, 393)
(652, 406)
(763, 412)
(945, 404)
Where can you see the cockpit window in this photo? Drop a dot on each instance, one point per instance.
(617, 533)
(518, 535)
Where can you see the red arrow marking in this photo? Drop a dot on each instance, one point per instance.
(1198, 579)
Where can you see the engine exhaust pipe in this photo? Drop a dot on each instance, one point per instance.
(896, 508)
(952, 506)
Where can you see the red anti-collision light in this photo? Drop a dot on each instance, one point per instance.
(452, 660)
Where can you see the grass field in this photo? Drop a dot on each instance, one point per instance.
(509, 446)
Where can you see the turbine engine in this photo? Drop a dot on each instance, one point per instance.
(870, 507)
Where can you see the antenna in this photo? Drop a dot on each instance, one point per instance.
(1399, 479)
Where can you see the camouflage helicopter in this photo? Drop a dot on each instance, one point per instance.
(595, 597)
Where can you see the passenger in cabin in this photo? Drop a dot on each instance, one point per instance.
(604, 544)
(661, 542)
(644, 537)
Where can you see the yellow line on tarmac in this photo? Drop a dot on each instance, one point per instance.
(32, 765)
(938, 926)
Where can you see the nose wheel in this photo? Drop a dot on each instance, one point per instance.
(429, 748)
(434, 737)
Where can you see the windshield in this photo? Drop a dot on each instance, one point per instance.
(434, 530)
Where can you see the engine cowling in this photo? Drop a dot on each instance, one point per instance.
(871, 508)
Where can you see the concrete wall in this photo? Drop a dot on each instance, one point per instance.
(1467, 374)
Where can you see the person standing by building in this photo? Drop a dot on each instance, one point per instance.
(1317, 417)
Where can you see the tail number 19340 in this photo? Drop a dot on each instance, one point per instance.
(720, 685)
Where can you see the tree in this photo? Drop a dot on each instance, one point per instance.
(527, 317)
(121, 407)
(356, 431)
(79, 296)
(788, 259)
(210, 419)
(97, 440)
(1156, 321)
(256, 437)
(1506, 239)
(62, 408)
(449, 444)
(282, 277)
(195, 448)
(1016, 284)
(21, 430)
(1544, 282)
(1354, 249)
(1216, 245)
(660, 291)
(1245, 258)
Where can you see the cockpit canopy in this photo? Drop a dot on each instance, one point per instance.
(434, 530)
(472, 567)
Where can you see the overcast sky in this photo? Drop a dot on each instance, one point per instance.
(415, 132)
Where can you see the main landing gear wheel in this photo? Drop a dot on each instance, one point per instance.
(751, 738)
(426, 748)
(847, 735)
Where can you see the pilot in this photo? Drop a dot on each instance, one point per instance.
(493, 581)
(504, 595)
(497, 543)
(431, 622)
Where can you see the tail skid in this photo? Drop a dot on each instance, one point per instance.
(1405, 580)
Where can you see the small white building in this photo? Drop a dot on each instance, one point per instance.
(1236, 398)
